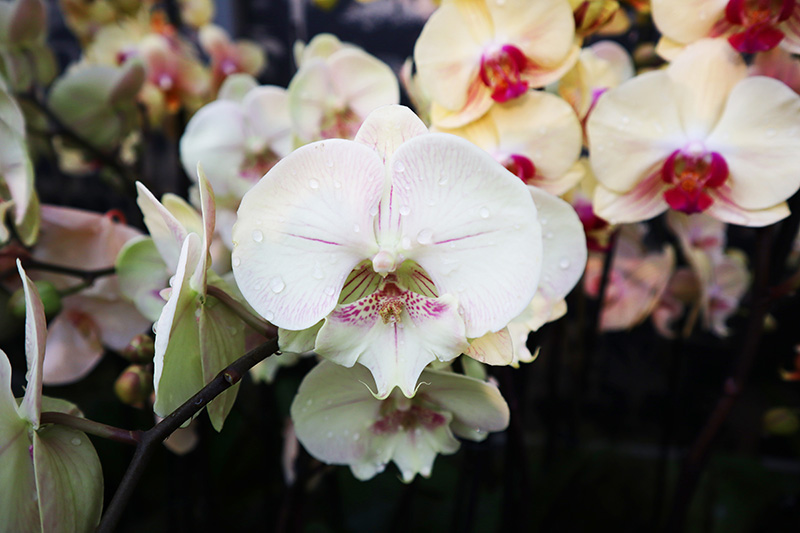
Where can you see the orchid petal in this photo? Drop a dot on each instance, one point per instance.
(267, 111)
(726, 210)
(221, 336)
(759, 137)
(215, 137)
(397, 351)
(363, 81)
(448, 52)
(494, 348)
(477, 406)
(469, 213)
(166, 230)
(19, 510)
(142, 274)
(643, 202)
(297, 239)
(235, 87)
(73, 348)
(301, 341)
(69, 479)
(687, 21)
(177, 375)
(35, 338)
(563, 257)
(386, 128)
(348, 407)
(633, 128)
(702, 77)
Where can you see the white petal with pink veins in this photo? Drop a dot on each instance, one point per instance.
(469, 223)
(304, 227)
(395, 334)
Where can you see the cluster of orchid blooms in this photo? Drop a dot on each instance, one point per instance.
(382, 241)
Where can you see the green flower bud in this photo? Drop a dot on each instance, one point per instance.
(135, 385)
(140, 350)
(50, 298)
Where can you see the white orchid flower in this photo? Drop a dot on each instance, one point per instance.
(407, 243)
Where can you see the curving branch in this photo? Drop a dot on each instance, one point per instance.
(152, 438)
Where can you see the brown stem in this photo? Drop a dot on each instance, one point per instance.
(91, 427)
(256, 322)
(698, 455)
(151, 438)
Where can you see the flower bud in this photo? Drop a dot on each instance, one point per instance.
(140, 350)
(49, 295)
(134, 385)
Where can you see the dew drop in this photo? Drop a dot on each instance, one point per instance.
(373, 210)
(443, 178)
(356, 436)
(269, 315)
(76, 441)
(356, 228)
(329, 291)
(452, 245)
(548, 235)
(309, 402)
(425, 236)
(484, 212)
(329, 163)
(313, 183)
(406, 243)
(404, 210)
(236, 261)
(543, 221)
(257, 235)
(564, 263)
(337, 184)
(399, 166)
(276, 284)
(517, 226)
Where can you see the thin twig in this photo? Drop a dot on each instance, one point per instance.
(89, 276)
(256, 322)
(154, 436)
(125, 436)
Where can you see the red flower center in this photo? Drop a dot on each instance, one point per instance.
(760, 19)
(692, 176)
(501, 71)
(521, 166)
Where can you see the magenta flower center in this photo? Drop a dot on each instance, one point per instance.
(692, 175)
(501, 71)
(405, 418)
(521, 166)
(759, 19)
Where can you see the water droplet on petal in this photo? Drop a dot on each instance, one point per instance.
(337, 184)
(425, 236)
(309, 401)
(76, 441)
(405, 210)
(373, 210)
(236, 261)
(257, 235)
(318, 273)
(356, 436)
(330, 434)
(269, 315)
(276, 284)
(548, 235)
(399, 166)
(626, 120)
(406, 243)
(329, 291)
(484, 212)
(356, 228)
(313, 183)
(564, 263)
